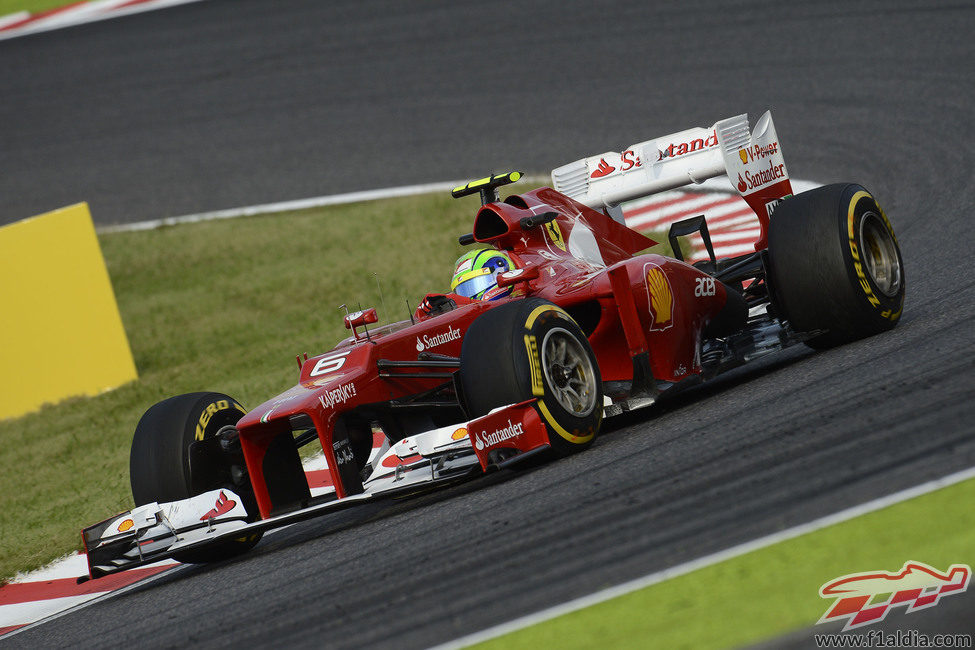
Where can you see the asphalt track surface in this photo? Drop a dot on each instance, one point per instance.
(220, 104)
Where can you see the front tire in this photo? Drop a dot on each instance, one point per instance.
(533, 348)
(160, 467)
(835, 265)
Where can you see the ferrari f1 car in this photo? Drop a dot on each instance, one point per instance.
(589, 328)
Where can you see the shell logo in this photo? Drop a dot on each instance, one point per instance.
(661, 296)
(125, 525)
(459, 434)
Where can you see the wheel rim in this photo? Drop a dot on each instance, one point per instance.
(880, 254)
(569, 372)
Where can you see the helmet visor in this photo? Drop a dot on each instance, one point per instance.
(474, 286)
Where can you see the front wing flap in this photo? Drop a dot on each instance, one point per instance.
(156, 530)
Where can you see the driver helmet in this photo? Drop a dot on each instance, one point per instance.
(475, 274)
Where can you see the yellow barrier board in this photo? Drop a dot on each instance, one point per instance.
(61, 334)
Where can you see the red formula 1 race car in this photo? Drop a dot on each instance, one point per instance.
(557, 324)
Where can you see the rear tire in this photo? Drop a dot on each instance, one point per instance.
(160, 468)
(835, 265)
(532, 348)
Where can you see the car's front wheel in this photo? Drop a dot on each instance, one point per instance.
(163, 468)
(533, 348)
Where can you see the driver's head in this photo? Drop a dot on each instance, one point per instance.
(475, 275)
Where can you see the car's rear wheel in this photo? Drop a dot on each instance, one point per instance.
(532, 348)
(835, 266)
(162, 467)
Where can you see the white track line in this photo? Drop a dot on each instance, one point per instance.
(94, 597)
(68, 16)
(287, 206)
(708, 560)
(71, 565)
(74, 15)
(10, 19)
(35, 610)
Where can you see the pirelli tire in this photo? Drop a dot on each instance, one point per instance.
(835, 265)
(528, 349)
(160, 468)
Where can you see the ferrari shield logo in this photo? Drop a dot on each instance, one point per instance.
(555, 234)
(661, 297)
(744, 156)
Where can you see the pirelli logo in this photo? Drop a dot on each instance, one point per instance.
(210, 411)
(535, 363)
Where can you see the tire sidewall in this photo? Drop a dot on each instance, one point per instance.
(565, 427)
(163, 438)
(816, 271)
(857, 204)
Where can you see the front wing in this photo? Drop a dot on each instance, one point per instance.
(156, 531)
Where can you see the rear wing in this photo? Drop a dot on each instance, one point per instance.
(752, 161)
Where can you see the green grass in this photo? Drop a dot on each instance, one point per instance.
(768, 592)
(33, 6)
(221, 305)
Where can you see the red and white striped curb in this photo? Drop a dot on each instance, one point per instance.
(732, 225)
(54, 589)
(23, 22)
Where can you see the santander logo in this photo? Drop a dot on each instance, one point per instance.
(742, 185)
(484, 439)
(628, 159)
(603, 169)
(222, 506)
(426, 341)
(761, 178)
